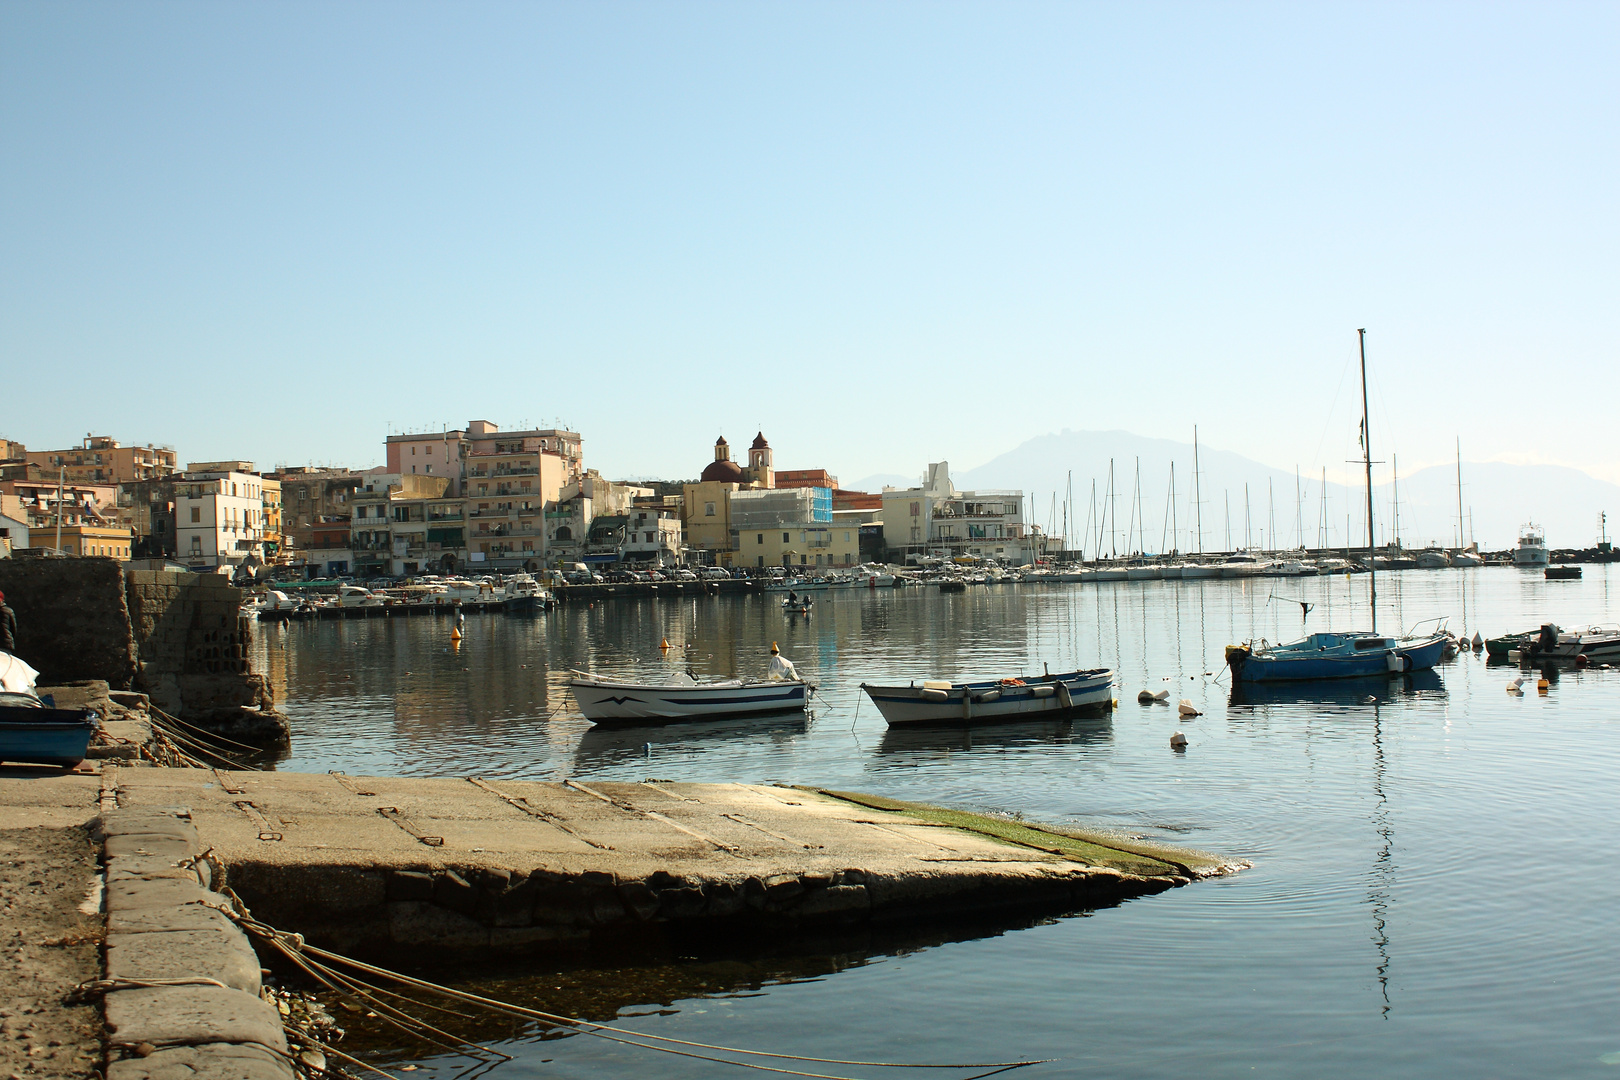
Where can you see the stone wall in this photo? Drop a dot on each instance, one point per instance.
(72, 619)
(193, 646)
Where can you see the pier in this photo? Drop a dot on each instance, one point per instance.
(463, 867)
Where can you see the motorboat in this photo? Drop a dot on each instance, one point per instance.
(1242, 565)
(1433, 559)
(1466, 558)
(873, 578)
(795, 584)
(1199, 571)
(941, 701)
(1562, 573)
(1599, 643)
(523, 593)
(32, 732)
(1319, 656)
(480, 591)
(351, 596)
(1289, 568)
(1532, 549)
(607, 701)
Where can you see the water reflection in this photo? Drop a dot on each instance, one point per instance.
(1344, 693)
(602, 748)
(1091, 732)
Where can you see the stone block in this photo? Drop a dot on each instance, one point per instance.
(178, 954)
(124, 895)
(186, 1015)
(136, 823)
(780, 888)
(154, 867)
(158, 920)
(639, 899)
(211, 1061)
(411, 922)
(834, 900)
(456, 893)
(329, 889)
(725, 898)
(682, 903)
(410, 885)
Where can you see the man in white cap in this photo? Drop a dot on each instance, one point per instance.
(781, 666)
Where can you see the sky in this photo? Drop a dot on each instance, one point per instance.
(884, 233)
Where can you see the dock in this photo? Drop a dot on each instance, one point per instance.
(463, 867)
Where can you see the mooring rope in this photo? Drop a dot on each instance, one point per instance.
(309, 959)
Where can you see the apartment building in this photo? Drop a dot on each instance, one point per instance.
(934, 520)
(219, 518)
(100, 460)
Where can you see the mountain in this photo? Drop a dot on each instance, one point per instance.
(878, 481)
(1501, 497)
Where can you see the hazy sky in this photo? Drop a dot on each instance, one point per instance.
(886, 233)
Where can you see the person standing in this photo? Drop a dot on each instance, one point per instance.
(8, 627)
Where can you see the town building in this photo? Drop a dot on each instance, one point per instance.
(316, 518)
(219, 518)
(790, 527)
(480, 459)
(388, 528)
(100, 460)
(653, 533)
(936, 521)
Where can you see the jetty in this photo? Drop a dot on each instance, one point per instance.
(463, 867)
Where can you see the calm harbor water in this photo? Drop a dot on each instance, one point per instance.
(1434, 881)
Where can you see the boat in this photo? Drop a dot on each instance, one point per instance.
(953, 585)
(872, 578)
(1192, 571)
(1143, 571)
(354, 596)
(607, 701)
(1318, 656)
(1532, 549)
(940, 701)
(523, 593)
(794, 584)
(1242, 565)
(32, 732)
(1433, 559)
(277, 606)
(1563, 573)
(1498, 648)
(797, 606)
(1599, 643)
(1466, 558)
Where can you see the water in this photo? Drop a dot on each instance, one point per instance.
(1434, 880)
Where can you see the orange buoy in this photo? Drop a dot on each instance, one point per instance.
(664, 645)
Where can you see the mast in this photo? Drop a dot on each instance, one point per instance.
(1136, 512)
(1175, 526)
(1198, 495)
(1248, 539)
(1366, 459)
(1459, 495)
(1395, 474)
(1299, 511)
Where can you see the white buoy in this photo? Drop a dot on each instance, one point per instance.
(1187, 708)
(1178, 741)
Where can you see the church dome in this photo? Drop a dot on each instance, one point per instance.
(725, 470)
(760, 443)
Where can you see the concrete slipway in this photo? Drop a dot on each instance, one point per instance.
(467, 865)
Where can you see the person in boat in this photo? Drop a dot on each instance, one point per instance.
(793, 598)
(781, 667)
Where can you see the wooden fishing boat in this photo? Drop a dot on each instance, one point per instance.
(618, 701)
(1319, 656)
(31, 734)
(1038, 697)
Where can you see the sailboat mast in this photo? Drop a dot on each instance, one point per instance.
(1175, 526)
(1198, 494)
(1395, 474)
(1299, 511)
(1366, 448)
(1459, 495)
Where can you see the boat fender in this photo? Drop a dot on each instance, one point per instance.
(1042, 691)
(967, 705)
(1178, 741)
(930, 694)
(1065, 698)
(1187, 709)
(1396, 662)
(986, 696)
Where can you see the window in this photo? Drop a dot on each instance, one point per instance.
(760, 540)
(196, 545)
(784, 538)
(708, 509)
(430, 468)
(413, 454)
(916, 509)
(846, 536)
(762, 559)
(359, 511)
(196, 513)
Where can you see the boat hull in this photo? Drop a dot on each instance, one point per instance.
(1081, 693)
(609, 703)
(1322, 656)
(30, 736)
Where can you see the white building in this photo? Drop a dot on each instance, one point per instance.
(935, 520)
(652, 537)
(219, 518)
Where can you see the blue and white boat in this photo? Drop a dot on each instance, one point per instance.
(1319, 656)
(32, 733)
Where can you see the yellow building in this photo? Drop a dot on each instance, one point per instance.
(110, 541)
(799, 546)
(100, 460)
(271, 493)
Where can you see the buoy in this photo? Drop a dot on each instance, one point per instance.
(1582, 660)
(1144, 698)
(1515, 687)
(1187, 708)
(455, 633)
(1148, 698)
(1178, 741)
(1479, 642)
(1542, 685)
(664, 645)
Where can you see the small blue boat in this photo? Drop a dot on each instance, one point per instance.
(1320, 656)
(32, 735)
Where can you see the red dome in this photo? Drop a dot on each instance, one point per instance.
(724, 470)
(760, 443)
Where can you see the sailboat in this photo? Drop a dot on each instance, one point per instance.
(1340, 655)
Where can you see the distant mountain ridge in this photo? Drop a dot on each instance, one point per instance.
(1499, 497)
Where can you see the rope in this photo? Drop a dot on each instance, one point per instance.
(308, 957)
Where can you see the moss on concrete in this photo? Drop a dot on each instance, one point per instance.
(1092, 847)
